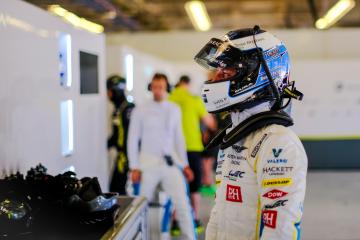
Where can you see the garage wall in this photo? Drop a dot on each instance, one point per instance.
(30, 95)
(324, 65)
(181, 46)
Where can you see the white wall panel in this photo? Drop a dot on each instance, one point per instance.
(331, 106)
(181, 46)
(30, 94)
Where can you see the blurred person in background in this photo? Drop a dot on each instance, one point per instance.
(222, 120)
(157, 153)
(208, 160)
(120, 123)
(262, 165)
(193, 112)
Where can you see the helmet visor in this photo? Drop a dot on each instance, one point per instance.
(217, 54)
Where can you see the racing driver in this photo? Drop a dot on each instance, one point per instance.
(261, 167)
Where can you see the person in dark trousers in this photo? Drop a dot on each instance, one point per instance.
(120, 123)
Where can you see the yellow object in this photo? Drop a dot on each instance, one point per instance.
(121, 162)
(198, 15)
(258, 218)
(192, 110)
(76, 20)
(277, 182)
(340, 9)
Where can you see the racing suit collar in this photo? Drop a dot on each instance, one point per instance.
(239, 117)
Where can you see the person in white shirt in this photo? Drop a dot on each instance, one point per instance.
(157, 154)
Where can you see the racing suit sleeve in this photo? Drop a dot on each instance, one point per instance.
(179, 140)
(281, 173)
(134, 137)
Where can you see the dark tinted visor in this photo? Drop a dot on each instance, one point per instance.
(217, 54)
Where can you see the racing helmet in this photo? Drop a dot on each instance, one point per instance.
(116, 85)
(250, 66)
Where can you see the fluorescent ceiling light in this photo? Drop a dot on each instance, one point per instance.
(65, 60)
(67, 127)
(340, 9)
(76, 20)
(129, 72)
(198, 15)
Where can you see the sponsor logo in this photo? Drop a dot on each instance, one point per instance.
(234, 162)
(277, 182)
(238, 148)
(244, 87)
(279, 203)
(277, 170)
(277, 152)
(275, 194)
(221, 102)
(277, 161)
(233, 156)
(269, 218)
(233, 193)
(258, 145)
(235, 175)
(242, 44)
(272, 52)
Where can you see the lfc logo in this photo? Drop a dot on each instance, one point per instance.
(233, 193)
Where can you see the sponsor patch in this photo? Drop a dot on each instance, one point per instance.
(277, 152)
(235, 175)
(275, 194)
(279, 203)
(238, 148)
(277, 170)
(269, 218)
(233, 156)
(221, 102)
(272, 53)
(234, 162)
(276, 161)
(258, 145)
(233, 193)
(277, 182)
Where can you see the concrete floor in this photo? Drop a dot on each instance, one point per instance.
(331, 209)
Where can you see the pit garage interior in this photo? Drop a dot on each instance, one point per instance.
(55, 110)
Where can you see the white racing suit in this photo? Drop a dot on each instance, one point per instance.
(261, 184)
